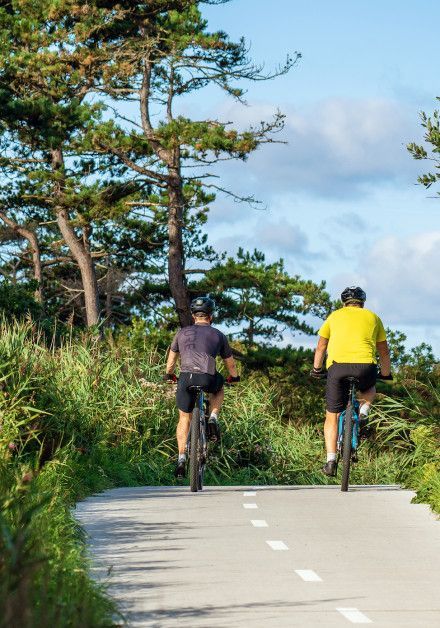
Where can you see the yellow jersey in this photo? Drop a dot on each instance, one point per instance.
(352, 333)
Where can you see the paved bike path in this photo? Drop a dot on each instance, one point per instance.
(324, 558)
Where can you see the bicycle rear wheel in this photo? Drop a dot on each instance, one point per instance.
(194, 454)
(202, 453)
(346, 446)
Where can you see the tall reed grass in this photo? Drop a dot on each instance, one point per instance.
(88, 415)
(409, 427)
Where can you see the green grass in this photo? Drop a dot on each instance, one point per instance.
(91, 415)
(44, 570)
(409, 428)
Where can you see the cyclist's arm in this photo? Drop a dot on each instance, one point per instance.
(384, 357)
(320, 352)
(230, 365)
(171, 362)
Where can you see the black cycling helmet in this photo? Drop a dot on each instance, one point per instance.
(353, 293)
(202, 304)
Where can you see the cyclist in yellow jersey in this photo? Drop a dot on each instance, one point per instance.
(352, 337)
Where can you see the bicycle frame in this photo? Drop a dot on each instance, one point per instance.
(348, 434)
(355, 433)
(202, 405)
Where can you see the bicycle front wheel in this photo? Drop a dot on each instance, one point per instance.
(194, 455)
(346, 447)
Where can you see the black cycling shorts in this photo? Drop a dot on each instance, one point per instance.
(337, 389)
(185, 398)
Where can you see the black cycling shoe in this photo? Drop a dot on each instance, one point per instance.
(330, 468)
(179, 471)
(365, 431)
(213, 430)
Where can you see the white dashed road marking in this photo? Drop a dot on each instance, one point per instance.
(249, 494)
(259, 523)
(354, 615)
(308, 575)
(250, 506)
(277, 545)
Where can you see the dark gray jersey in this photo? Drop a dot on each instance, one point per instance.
(198, 346)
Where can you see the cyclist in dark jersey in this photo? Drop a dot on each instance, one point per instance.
(198, 346)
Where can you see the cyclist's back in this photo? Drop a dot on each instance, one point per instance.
(352, 334)
(199, 345)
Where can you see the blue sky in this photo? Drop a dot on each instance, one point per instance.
(341, 198)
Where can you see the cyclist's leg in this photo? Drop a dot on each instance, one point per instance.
(366, 398)
(182, 431)
(217, 394)
(216, 401)
(367, 387)
(185, 402)
(336, 397)
(214, 385)
(331, 431)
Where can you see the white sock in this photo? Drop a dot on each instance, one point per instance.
(182, 458)
(365, 409)
(214, 416)
(331, 457)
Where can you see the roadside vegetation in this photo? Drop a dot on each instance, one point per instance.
(90, 414)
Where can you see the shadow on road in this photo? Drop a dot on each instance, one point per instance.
(232, 614)
(167, 492)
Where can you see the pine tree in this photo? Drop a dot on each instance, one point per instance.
(48, 65)
(431, 124)
(262, 299)
(160, 61)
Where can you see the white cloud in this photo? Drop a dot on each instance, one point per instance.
(338, 148)
(275, 237)
(283, 239)
(402, 279)
(349, 221)
(342, 207)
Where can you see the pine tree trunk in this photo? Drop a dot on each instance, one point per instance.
(80, 250)
(31, 237)
(108, 294)
(176, 259)
(172, 158)
(38, 271)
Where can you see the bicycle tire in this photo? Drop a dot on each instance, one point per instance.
(200, 478)
(202, 458)
(346, 447)
(194, 455)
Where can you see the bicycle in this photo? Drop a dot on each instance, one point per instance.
(348, 433)
(349, 429)
(197, 444)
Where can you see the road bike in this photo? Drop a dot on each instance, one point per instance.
(197, 445)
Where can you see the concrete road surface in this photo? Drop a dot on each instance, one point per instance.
(267, 557)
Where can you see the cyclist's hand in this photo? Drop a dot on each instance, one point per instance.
(170, 378)
(232, 380)
(318, 373)
(386, 377)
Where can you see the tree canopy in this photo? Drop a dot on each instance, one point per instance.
(106, 185)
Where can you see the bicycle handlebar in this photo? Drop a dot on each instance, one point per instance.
(323, 375)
